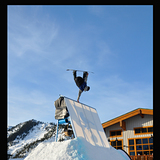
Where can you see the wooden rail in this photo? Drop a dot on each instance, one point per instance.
(142, 157)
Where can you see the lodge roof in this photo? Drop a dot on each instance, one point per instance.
(138, 111)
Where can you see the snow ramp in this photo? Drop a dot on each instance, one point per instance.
(86, 123)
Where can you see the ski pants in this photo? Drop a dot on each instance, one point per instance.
(85, 75)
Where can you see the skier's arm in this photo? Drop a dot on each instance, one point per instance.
(85, 76)
(79, 94)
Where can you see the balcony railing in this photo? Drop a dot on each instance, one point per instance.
(142, 157)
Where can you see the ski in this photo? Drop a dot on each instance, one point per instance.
(78, 70)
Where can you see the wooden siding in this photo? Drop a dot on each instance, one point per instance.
(131, 123)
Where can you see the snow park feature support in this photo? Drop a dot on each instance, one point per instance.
(61, 114)
(61, 121)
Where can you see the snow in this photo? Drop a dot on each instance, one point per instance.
(36, 133)
(17, 159)
(75, 149)
(123, 153)
(13, 130)
(9, 127)
(57, 151)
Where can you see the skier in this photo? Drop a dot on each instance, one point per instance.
(81, 82)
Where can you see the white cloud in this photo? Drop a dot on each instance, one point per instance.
(33, 33)
(38, 40)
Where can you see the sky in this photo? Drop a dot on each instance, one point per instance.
(115, 42)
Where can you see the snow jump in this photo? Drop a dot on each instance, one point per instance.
(86, 126)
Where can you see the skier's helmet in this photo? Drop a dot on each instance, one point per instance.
(88, 88)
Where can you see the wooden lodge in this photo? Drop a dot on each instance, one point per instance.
(132, 132)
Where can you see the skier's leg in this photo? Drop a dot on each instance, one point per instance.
(74, 74)
(85, 76)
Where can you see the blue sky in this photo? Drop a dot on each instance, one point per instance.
(115, 42)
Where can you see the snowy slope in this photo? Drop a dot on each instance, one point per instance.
(76, 149)
(36, 133)
(67, 150)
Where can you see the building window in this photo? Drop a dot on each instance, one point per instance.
(117, 144)
(116, 133)
(140, 146)
(143, 130)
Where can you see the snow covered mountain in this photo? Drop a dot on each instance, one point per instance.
(24, 137)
